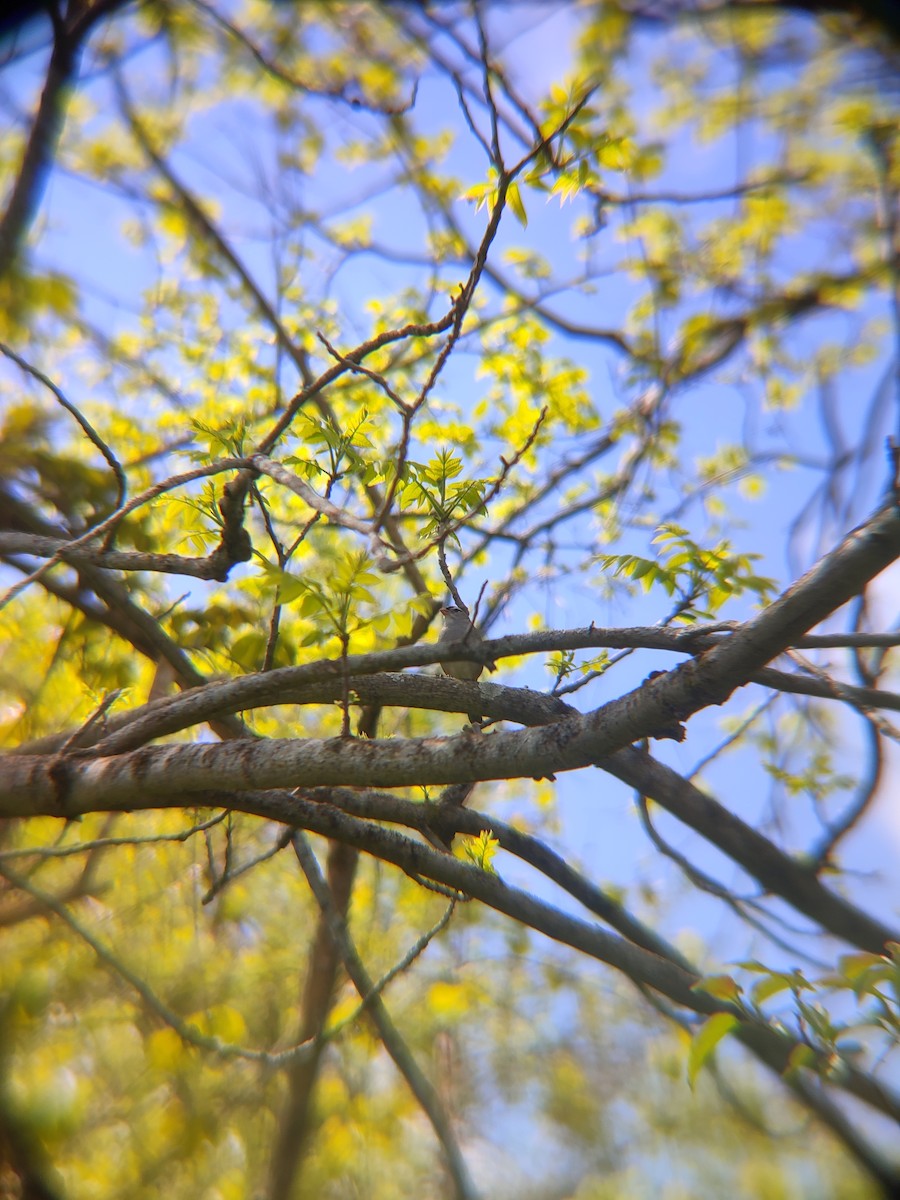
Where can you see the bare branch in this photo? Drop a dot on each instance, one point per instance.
(89, 431)
(388, 1032)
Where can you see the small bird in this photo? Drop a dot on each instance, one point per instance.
(458, 628)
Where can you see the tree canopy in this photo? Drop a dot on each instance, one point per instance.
(316, 319)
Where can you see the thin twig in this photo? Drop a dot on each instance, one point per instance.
(105, 842)
(114, 465)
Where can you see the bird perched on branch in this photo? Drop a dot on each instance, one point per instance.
(458, 628)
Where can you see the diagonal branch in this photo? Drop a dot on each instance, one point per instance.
(92, 435)
(291, 1141)
(388, 1032)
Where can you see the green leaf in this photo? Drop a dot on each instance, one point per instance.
(481, 850)
(705, 1041)
(723, 987)
(775, 983)
(514, 196)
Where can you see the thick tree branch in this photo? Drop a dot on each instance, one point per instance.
(778, 872)
(69, 34)
(74, 785)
